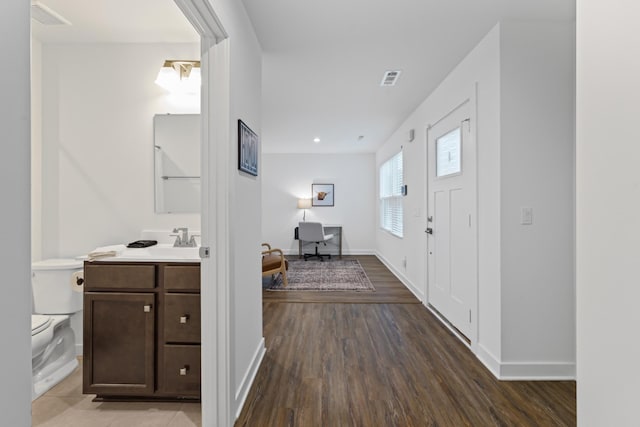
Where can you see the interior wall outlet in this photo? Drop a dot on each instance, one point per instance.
(526, 216)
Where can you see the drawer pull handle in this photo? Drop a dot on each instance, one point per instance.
(183, 371)
(184, 319)
(147, 308)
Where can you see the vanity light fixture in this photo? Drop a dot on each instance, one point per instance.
(180, 76)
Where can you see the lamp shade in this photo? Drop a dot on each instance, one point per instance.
(304, 203)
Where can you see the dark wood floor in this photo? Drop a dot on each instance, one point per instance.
(355, 364)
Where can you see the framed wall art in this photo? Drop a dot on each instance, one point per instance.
(248, 148)
(323, 194)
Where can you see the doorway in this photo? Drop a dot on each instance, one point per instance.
(452, 219)
(214, 58)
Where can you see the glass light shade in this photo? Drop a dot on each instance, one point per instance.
(169, 79)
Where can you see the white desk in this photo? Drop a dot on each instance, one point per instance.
(335, 229)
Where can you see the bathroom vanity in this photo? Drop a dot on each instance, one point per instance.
(141, 330)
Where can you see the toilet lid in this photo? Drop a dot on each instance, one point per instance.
(39, 323)
(56, 264)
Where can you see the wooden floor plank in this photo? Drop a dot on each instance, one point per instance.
(361, 363)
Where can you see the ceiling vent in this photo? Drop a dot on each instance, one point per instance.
(390, 78)
(46, 16)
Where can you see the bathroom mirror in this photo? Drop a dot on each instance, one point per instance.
(176, 139)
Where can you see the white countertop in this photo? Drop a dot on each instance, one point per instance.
(157, 253)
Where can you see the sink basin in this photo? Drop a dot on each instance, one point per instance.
(161, 252)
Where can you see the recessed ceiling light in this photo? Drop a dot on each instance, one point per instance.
(316, 140)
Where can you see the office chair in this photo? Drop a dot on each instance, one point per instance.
(313, 232)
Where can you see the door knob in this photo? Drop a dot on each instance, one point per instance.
(183, 371)
(429, 230)
(147, 308)
(184, 319)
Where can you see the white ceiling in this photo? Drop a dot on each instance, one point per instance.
(116, 21)
(323, 60)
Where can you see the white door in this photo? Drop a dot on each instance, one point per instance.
(451, 219)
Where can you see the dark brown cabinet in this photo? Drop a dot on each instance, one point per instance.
(142, 330)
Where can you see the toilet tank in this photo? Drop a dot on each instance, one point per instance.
(54, 286)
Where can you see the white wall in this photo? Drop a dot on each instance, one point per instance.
(288, 177)
(98, 103)
(244, 209)
(536, 165)
(520, 75)
(608, 199)
(15, 256)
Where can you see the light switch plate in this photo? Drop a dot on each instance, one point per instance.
(526, 216)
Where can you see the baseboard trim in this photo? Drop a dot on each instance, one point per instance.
(488, 360)
(405, 281)
(526, 371)
(245, 385)
(537, 371)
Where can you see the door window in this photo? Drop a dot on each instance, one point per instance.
(448, 153)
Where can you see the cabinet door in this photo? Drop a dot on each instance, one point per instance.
(119, 343)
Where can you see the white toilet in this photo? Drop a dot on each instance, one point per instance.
(53, 353)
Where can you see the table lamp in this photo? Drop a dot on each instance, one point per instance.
(304, 204)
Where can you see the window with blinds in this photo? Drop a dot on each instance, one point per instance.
(391, 182)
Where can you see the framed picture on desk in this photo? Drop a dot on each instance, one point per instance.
(322, 194)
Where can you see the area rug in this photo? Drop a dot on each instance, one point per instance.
(330, 275)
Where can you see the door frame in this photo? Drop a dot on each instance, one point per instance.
(472, 100)
(216, 390)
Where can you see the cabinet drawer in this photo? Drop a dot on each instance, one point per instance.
(182, 370)
(182, 318)
(119, 276)
(182, 277)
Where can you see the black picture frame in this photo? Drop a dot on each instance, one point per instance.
(248, 149)
(322, 195)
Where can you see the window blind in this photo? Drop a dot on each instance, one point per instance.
(391, 182)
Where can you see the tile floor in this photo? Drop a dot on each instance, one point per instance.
(65, 406)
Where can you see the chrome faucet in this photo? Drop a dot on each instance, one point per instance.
(182, 238)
